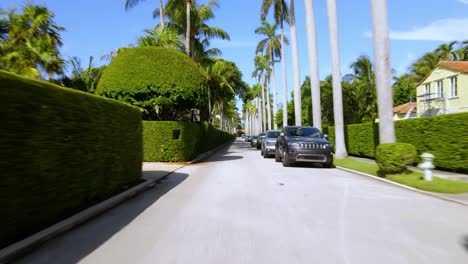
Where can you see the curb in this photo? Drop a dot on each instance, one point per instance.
(10, 252)
(205, 155)
(404, 186)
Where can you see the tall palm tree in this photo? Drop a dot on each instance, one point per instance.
(281, 15)
(131, 3)
(295, 66)
(195, 20)
(337, 90)
(260, 111)
(224, 92)
(313, 64)
(383, 71)
(263, 71)
(271, 47)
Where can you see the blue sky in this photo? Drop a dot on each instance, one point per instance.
(96, 27)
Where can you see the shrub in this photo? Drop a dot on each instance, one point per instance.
(445, 136)
(395, 158)
(171, 141)
(164, 82)
(60, 151)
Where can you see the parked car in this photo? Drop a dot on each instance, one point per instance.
(253, 141)
(303, 144)
(268, 147)
(260, 138)
(248, 138)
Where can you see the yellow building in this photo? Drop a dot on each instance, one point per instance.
(444, 90)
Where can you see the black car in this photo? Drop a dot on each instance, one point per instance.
(260, 138)
(303, 144)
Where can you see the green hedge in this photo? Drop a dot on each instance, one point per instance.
(172, 141)
(445, 136)
(165, 82)
(61, 150)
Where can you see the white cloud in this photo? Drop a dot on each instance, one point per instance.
(463, 1)
(439, 30)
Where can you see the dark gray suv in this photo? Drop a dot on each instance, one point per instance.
(303, 144)
(269, 143)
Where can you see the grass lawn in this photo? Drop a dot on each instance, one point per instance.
(413, 179)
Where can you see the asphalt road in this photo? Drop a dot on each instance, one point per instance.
(238, 207)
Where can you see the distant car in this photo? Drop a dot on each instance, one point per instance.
(243, 136)
(248, 138)
(260, 138)
(253, 141)
(268, 147)
(303, 144)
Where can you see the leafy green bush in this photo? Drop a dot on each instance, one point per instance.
(171, 141)
(61, 150)
(395, 158)
(164, 82)
(445, 136)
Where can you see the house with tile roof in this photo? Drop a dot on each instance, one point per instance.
(444, 90)
(405, 111)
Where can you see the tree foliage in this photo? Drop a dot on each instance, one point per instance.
(30, 41)
(164, 82)
(83, 79)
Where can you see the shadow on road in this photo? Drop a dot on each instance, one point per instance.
(81, 241)
(464, 242)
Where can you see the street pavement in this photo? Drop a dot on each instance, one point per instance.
(237, 207)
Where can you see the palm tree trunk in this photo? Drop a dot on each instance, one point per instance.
(161, 13)
(295, 64)
(187, 32)
(273, 80)
(337, 92)
(259, 116)
(268, 103)
(285, 84)
(383, 71)
(263, 110)
(313, 64)
(209, 104)
(221, 115)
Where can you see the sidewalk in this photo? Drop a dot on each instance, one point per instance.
(437, 173)
(463, 197)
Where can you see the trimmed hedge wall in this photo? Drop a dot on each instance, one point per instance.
(172, 141)
(61, 150)
(445, 136)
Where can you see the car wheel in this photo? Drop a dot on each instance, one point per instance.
(277, 156)
(328, 164)
(286, 163)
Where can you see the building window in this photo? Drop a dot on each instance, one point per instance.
(453, 87)
(427, 91)
(440, 89)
